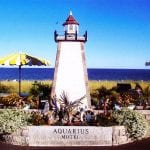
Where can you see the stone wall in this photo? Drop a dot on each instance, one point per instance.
(145, 113)
(69, 136)
(20, 137)
(120, 135)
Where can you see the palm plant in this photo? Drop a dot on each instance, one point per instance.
(69, 106)
(146, 95)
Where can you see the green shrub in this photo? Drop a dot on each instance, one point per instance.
(105, 120)
(40, 89)
(33, 102)
(146, 95)
(12, 119)
(13, 100)
(38, 118)
(135, 123)
(5, 89)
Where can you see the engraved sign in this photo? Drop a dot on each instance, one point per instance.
(70, 136)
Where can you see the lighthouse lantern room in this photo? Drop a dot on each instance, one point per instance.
(71, 26)
(71, 30)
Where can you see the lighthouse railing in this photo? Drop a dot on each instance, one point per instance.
(64, 36)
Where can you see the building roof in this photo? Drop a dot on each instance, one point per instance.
(70, 20)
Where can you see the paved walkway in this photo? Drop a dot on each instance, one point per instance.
(139, 145)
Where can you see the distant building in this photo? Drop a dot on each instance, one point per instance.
(147, 63)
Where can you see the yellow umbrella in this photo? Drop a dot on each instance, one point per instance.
(21, 59)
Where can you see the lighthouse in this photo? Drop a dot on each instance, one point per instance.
(70, 75)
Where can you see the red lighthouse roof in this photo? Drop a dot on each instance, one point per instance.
(70, 20)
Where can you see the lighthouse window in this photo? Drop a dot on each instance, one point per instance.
(71, 27)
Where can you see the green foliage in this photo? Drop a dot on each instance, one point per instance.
(135, 123)
(40, 89)
(146, 94)
(99, 95)
(33, 102)
(67, 107)
(38, 118)
(12, 100)
(128, 98)
(105, 120)
(136, 96)
(12, 119)
(103, 91)
(5, 89)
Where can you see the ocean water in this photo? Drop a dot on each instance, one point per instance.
(93, 74)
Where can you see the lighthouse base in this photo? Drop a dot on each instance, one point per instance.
(70, 75)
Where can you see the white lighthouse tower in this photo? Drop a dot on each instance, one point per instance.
(70, 74)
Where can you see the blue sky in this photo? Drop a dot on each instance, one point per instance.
(118, 30)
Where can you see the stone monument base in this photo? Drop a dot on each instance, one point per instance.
(69, 136)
